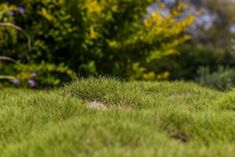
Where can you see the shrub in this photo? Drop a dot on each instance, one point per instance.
(111, 37)
(223, 79)
(43, 74)
(185, 64)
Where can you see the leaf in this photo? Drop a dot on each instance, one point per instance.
(45, 14)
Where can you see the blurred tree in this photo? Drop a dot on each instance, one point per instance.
(210, 44)
(221, 16)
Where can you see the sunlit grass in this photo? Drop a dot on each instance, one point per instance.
(140, 119)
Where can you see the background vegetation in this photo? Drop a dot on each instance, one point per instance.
(53, 41)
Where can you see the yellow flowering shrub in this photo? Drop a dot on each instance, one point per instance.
(121, 34)
(111, 37)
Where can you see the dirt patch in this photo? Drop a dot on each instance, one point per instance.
(97, 105)
(180, 137)
(103, 106)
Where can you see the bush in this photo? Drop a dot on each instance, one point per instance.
(111, 37)
(42, 74)
(223, 79)
(185, 64)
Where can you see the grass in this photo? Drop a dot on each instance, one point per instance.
(139, 119)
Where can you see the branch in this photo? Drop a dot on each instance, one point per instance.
(7, 77)
(7, 59)
(8, 24)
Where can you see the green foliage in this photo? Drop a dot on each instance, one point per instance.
(223, 79)
(122, 40)
(6, 76)
(7, 35)
(222, 76)
(117, 38)
(41, 75)
(45, 74)
(185, 65)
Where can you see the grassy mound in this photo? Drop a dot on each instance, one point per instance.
(106, 117)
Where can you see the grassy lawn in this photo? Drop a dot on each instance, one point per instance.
(105, 117)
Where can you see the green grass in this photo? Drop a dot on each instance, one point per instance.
(139, 119)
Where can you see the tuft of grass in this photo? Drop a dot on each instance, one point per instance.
(144, 95)
(161, 119)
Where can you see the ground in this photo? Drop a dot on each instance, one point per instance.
(106, 117)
